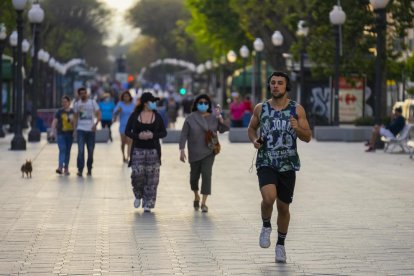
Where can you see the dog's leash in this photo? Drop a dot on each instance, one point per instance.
(41, 149)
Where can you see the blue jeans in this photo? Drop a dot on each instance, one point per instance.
(64, 141)
(88, 138)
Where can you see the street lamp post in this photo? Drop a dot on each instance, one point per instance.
(36, 16)
(44, 57)
(231, 58)
(302, 32)
(258, 47)
(380, 76)
(208, 65)
(3, 36)
(277, 40)
(337, 17)
(18, 142)
(244, 53)
(25, 49)
(13, 44)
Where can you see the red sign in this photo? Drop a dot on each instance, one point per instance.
(351, 92)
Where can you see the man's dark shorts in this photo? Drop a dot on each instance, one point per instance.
(284, 181)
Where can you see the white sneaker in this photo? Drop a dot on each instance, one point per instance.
(280, 253)
(147, 209)
(264, 240)
(137, 202)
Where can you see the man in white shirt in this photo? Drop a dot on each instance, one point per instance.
(87, 116)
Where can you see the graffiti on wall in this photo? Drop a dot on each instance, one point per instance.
(321, 102)
(320, 105)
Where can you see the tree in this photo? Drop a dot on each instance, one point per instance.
(7, 14)
(141, 53)
(164, 21)
(262, 19)
(76, 29)
(219, 22)
(216, 24)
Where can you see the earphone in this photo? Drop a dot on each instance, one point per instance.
(279, 74)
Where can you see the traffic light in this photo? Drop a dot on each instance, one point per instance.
(183, 91)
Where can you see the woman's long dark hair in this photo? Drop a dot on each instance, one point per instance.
(198, 98)
(140, 106)
(126, 92)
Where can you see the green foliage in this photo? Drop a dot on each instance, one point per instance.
(71, 29)
(409, 67)
(229, 24)
(76, 29)
(165, 21)
(320, 46)
(364, 121)
(141, 53)
(261, 19)
(410, 91)
(157, 18)
(7, 15)
(216, 24)
(370, 121)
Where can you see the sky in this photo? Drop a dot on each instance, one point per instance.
(118, 25)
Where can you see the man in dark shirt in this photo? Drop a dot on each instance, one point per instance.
(389, 131)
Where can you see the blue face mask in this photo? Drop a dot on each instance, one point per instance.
(202, 107)
(152, 105)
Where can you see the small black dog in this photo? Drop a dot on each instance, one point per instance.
(27, 169)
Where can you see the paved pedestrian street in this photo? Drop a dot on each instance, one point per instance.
(352, 214)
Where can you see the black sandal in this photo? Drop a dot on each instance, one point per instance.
(196, 204)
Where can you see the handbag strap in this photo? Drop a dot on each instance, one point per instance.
(203, 124)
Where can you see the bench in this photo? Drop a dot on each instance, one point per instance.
(399, 141)
(343, 133)
(101, 136)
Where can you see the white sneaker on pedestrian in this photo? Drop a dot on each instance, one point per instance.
(137, 202)
(264, 240)
(147, 210)
(280, 253)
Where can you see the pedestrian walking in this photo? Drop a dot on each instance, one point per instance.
(198, 126)
(172, 111)
(145, 127)
(237, 109)
(281, 122)
(124, 109)
(107, 106)
(87, 116)
(62, 127)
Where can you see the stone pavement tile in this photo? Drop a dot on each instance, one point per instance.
(7, 267)
(76, 271)
(117, 273)
(195, 271)
(34, 273)
(33, 270)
